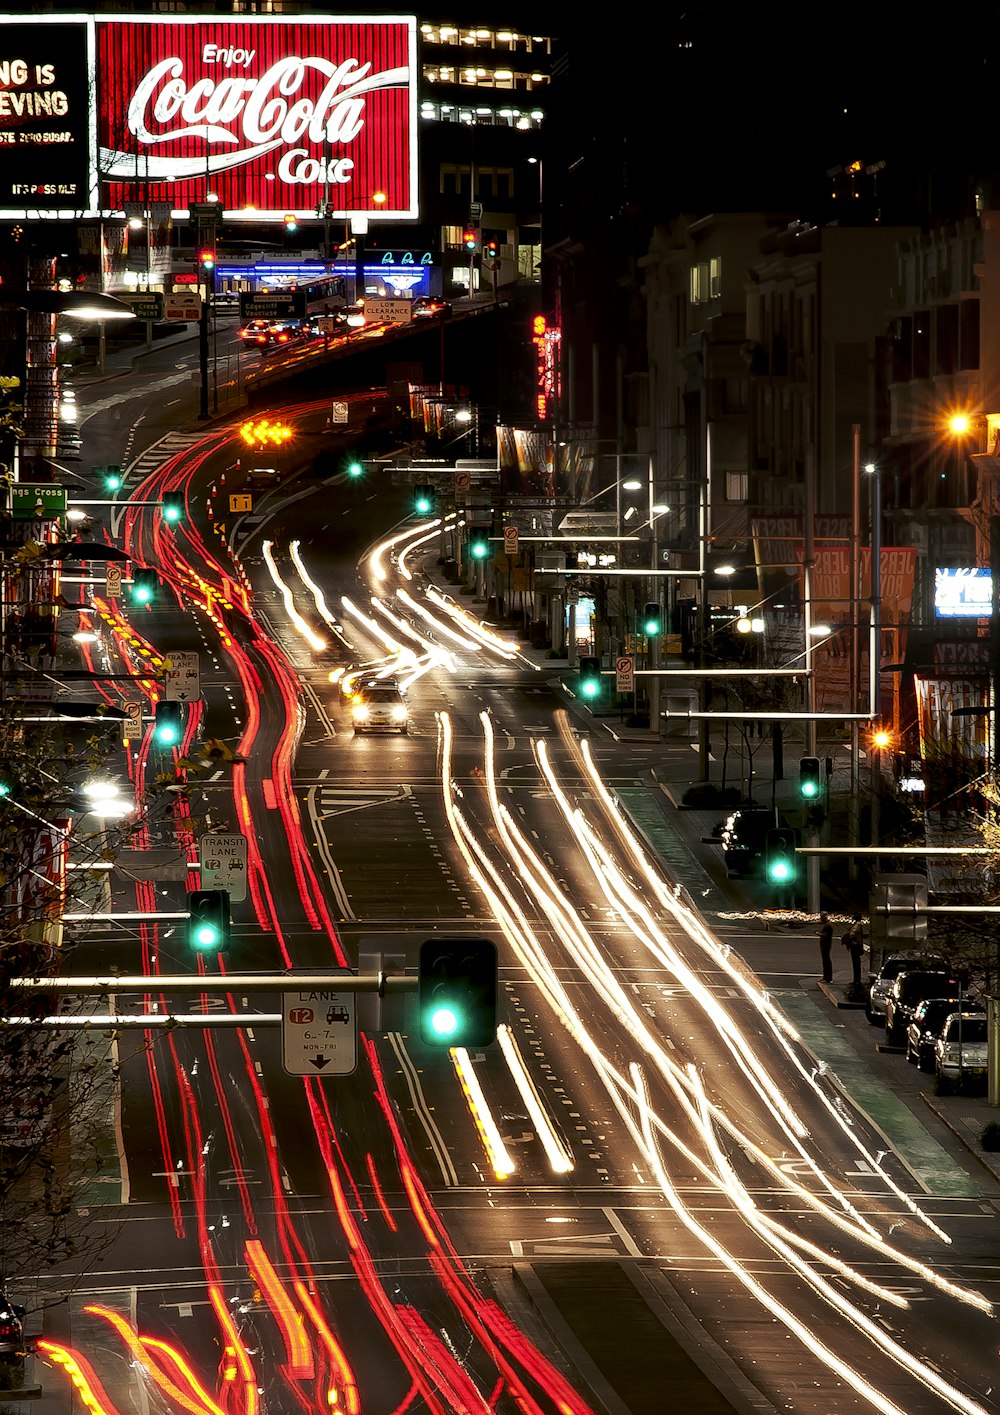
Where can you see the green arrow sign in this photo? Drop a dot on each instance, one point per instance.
(145, 304)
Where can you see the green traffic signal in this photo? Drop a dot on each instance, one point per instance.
(779, 856)
(652, 620)
(479, 547)
(810, 785)
(457, 992)
(424, 499)
(112, 477)
(590, 678)
(145, 586)
(173, 506)
(208, 924)
(169, 723)
(355, 469)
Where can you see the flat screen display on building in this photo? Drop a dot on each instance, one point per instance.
(45, 133)
(963, 594)
(271, 117)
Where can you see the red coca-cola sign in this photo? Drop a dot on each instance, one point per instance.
(271, 116)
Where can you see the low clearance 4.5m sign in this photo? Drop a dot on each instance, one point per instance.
(275, 116)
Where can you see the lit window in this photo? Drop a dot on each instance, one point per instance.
(715, 277)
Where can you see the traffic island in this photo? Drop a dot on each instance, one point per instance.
(841, 996)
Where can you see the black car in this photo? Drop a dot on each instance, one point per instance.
(929, 1017)
(911, 988)
(880, 983)
(744, 837)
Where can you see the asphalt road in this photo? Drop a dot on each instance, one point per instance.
(649, 1174)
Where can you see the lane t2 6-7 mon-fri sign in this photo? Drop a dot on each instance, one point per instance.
(319, 1033)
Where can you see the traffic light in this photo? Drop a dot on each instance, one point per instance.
(479, 545)
(457, 992)
(169, 723)
(652, 620)
(810, 783)
(173, 506)
(470, 239)
(779, 856)
(424, 500)
(492, 250)
(590, 677)
(291, 224)
(355, 469)
(112, 478)
(145, 586)
(208, 920)
(206, 260)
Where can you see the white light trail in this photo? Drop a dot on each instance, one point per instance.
(560, 1161)
(312, 639)
(553, 907)
(317, 593)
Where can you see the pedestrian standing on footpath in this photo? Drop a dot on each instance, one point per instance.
(826, 946)
(854, 941)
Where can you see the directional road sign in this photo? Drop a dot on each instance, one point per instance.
(182, 305)
(319, 1033)
(224, 864)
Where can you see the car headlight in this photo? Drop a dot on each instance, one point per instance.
(399, 714)
(360, 712)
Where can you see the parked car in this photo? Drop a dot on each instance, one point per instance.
(961, 1049)
(429, 307)
(929, 1017)
(911, 988)
(880, 983)
(744, 836)
(378, 708)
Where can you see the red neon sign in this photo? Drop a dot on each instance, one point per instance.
(272, 117)
(546, 342)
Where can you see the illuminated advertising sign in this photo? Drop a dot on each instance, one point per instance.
(273, 117)
(45, 148)
(963, 594)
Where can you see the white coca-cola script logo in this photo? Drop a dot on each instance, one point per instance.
(249, 117)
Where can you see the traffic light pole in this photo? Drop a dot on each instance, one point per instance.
(203, 359)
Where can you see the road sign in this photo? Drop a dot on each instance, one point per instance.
(339, 413)
(182, 678)
(319, 1033)
(132, 724)
(46, 501)
(388, 311)
(475, 211)
(624, 673)
(182, 305)
(113, 581)
(145, 304)
(240, 501)
(271, 306)
(463, 480)
(224, 864)
(510, 540)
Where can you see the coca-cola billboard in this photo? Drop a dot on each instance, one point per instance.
(270, 116)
